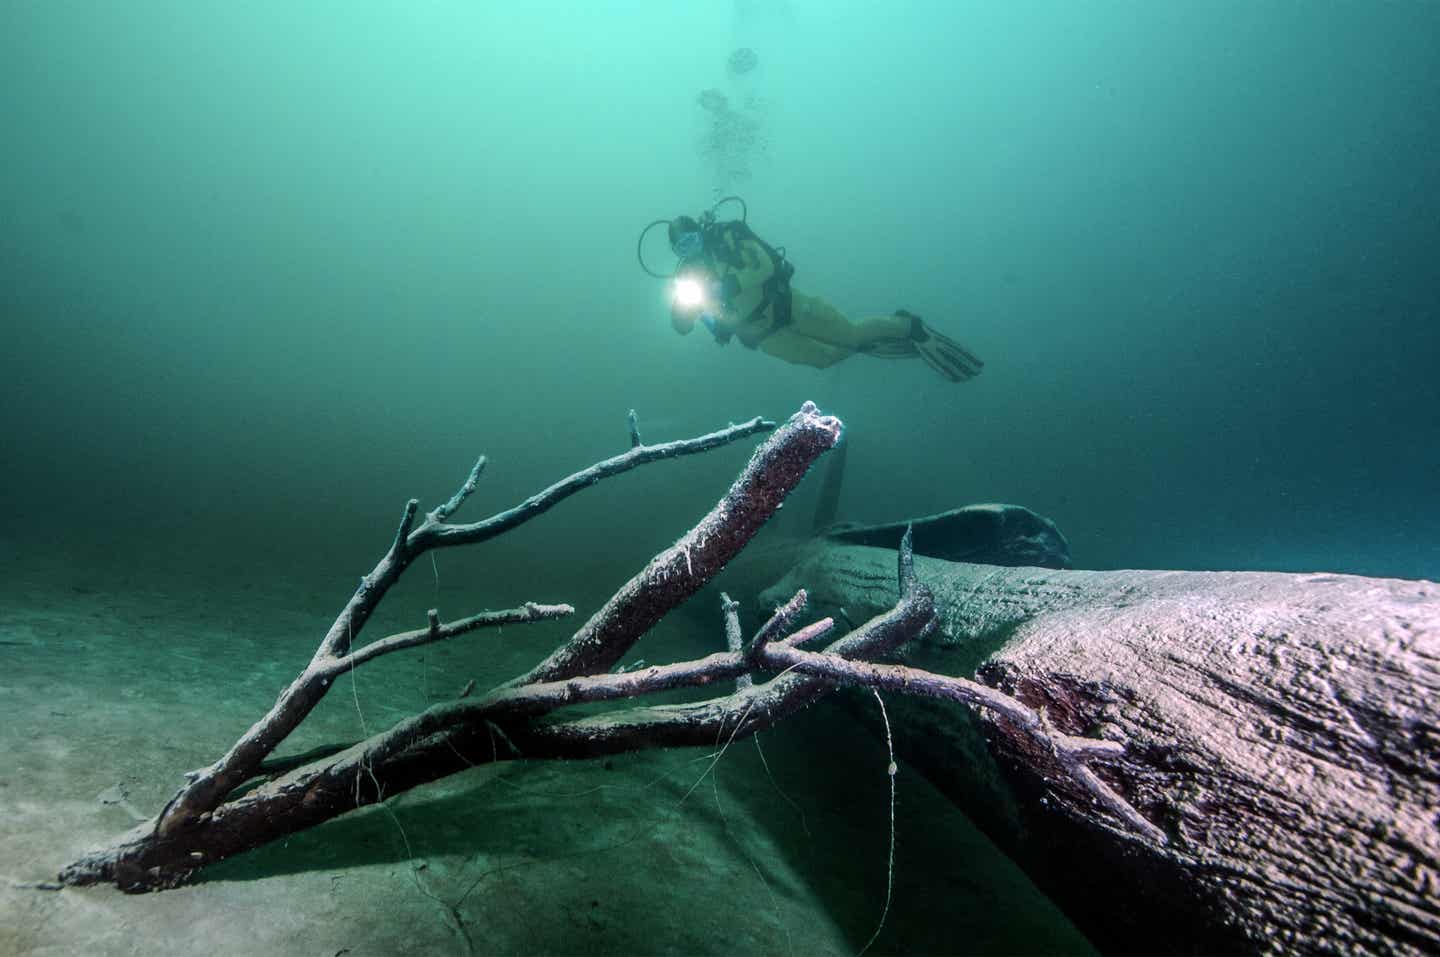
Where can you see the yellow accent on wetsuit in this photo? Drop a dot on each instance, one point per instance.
(735, 258)
(819, 335)
(815, 333)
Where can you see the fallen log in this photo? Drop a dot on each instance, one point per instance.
(1281, 732)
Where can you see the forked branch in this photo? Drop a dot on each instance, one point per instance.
(204, 823)
(207, 787)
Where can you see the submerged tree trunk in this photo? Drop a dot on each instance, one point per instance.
(1282, 731)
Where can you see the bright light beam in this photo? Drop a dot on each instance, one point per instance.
(689, 293)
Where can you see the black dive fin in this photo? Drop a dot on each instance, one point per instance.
(941, 353)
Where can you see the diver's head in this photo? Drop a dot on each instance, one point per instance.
(687, 238)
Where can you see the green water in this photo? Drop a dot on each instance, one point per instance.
(269, 269)
(258, 256)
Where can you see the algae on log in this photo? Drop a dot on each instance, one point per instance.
(1282, 730)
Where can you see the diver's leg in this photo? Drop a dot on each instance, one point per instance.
(905, 336)
(885, 337)
(785, 343)
(899, 336)
(815, 318)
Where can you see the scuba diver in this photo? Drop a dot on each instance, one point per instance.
(738, 286)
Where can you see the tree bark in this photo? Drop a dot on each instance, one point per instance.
(1281, 731)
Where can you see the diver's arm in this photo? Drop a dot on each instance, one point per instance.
(720, 327)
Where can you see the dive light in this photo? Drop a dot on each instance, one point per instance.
(689, 293)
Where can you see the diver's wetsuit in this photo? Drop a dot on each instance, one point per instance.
(758, 307)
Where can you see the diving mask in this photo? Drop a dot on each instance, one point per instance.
(689, 244)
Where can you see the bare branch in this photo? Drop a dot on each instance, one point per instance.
(782, 621)
(547, 696)
(634, 422)
(809, 633)
(441, 535)
(677, 573)
(742, 713)
(734, 640)
(906, 560)
(731, 610)
(1071, 752)
(407, 519)
(435, 631)
(898, 678)
(471, 482)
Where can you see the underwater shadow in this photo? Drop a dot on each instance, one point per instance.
(511, 814)
(556, 857)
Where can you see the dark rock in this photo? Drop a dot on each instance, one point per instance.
(983, 534)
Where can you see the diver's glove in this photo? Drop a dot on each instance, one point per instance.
(722, 336)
